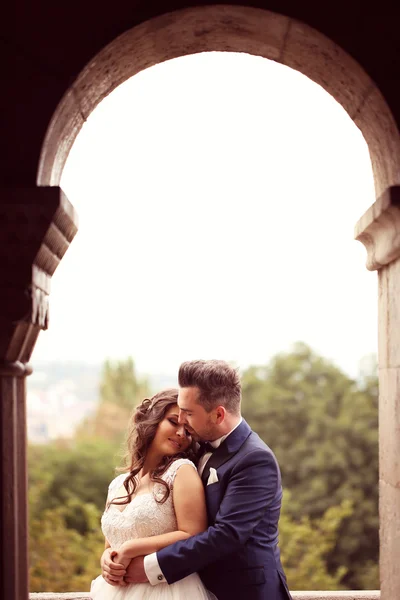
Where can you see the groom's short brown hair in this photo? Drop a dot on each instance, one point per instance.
(218, 382)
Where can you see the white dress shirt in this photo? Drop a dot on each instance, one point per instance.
(151, 566)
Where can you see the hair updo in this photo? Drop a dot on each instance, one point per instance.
(142, 430)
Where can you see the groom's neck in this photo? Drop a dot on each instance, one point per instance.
(229, 423)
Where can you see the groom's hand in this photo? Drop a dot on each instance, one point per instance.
(112, 572)
(135, 572)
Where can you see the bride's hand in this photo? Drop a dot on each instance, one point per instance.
(112, 571)
(120, 557)
(126, 552)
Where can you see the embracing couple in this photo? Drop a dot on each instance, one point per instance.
(195, 515)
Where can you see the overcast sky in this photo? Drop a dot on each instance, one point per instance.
(217, 197)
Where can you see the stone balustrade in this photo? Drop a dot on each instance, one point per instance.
(347, 595)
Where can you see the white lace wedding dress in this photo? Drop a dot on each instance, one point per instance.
(144, 517)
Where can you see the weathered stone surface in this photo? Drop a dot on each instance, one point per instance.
(389, 429)
(356, 595)
(389, 316)
(60, 136)
(235, 29)
(379, 229)
(58, 596)
(188, 31)
(36, 227)
(389, 484)
(382, 136)
(389, 513)
(323, 61)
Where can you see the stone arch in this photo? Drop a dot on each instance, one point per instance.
(296, 45)
(230, 29)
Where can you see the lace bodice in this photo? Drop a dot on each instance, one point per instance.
(143, 516)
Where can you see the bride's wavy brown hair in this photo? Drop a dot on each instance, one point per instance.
(142, 430)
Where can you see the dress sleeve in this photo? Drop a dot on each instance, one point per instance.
(114, 485)
(174, 467)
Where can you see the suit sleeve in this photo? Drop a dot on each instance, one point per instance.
(252, 488)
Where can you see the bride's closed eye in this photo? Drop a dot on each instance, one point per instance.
(175, 422)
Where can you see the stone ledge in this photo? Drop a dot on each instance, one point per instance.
(347, 595)
(379, 229)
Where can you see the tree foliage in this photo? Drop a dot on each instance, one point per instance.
(67, 493)
(121, 389)
(73, 476)
(62, 559)
(323, 428)
(121, 386)
(307, 543)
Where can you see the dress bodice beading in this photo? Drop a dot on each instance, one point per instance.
(143, 516)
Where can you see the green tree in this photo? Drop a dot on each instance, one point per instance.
(120, 391)
(61, 559)
(306, 544)
(323, 427)
(121, 386)
(73, 476)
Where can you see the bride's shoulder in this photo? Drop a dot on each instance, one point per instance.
(117, 482)
(175, 466)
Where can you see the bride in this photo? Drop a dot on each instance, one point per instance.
(158, 502)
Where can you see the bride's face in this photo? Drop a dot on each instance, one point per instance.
(171, 436)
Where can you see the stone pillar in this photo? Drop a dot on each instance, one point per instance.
(379, 231)
(36, 227)
(13, 481)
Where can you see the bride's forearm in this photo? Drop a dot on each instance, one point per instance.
(144, 546)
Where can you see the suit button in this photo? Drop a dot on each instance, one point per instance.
(160, 577)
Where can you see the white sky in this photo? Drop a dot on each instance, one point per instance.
(217, 195)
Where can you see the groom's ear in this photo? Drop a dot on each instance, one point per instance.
(219, 415)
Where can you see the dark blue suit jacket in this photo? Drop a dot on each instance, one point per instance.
(237, 557)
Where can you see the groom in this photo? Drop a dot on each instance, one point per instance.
(237, 557)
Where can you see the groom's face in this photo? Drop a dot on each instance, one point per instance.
(197, 420)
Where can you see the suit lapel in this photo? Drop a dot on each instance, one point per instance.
(228, 448)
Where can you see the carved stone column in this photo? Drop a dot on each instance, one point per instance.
(36, 228)
(379, 231)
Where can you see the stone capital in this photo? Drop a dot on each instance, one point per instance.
(36, 227)
(379, 230)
